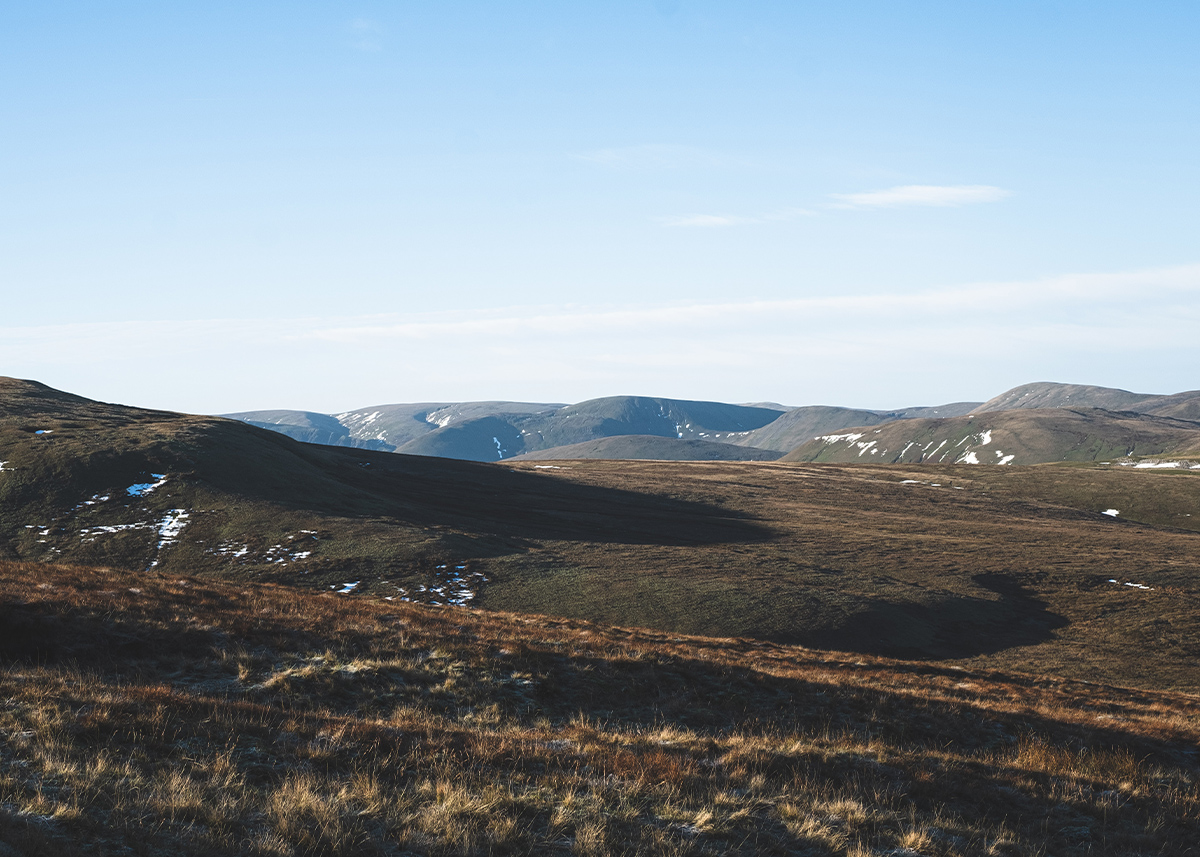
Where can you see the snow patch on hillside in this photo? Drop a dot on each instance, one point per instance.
(169, 530)
(141, 489)
(456, 586)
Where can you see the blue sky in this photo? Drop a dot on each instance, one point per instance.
(219, 206)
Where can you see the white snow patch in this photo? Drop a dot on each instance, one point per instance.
(546, 467)
(864, 446)
(347, 588)
(910, 481)
(1156, 465)
(141, 489)
(499, 449)
(910, 443)
(1112, 513)
(89, 534)
(171, 526)
(969, 457)
(849, 437)
(169, 529)
(232, 549)
(1005, 459)
(985, 437)
(1141, 586)
(449, 587)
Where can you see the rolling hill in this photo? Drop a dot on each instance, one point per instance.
(496, 437)
(800, 425)
(1003, 567)
(651, 448)
(383, 427)
(490, 431)
(1020, 436)
(1048, 394)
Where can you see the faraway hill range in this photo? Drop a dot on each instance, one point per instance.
(1031, 424)
(628, 626)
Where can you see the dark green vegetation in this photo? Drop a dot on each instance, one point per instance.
(650, 448)
(1016, 436)
(1005, 567)
(170, 715)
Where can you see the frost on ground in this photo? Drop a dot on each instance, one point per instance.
(286, 551)
(141, 489)
(230, 548)
(449, 586)
(90, 534)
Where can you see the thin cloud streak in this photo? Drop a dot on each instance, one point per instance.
(941, 196)
(972, 340)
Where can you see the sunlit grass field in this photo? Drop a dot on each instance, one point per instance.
(174, 715)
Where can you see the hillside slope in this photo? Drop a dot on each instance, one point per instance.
(1008, 437)
(990, 567)
(500, 436)
(1050, 394)
(171, 715)
(90, 482)
(651, 448)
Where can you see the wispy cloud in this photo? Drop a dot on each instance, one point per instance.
(971, 340)
(717, 220)
(365, 35)
(922, 195)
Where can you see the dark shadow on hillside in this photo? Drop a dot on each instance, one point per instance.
(481, 498)
(947, 628)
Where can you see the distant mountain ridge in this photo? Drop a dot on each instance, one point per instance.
(651, 448)
(500, 430)
(1048, 394)
(1018, 436)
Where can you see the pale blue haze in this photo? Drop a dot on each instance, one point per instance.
(218, 206)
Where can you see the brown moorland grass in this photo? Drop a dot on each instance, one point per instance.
(159, 714)
(979, 566)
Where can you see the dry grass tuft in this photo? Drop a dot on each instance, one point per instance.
(178, 721)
